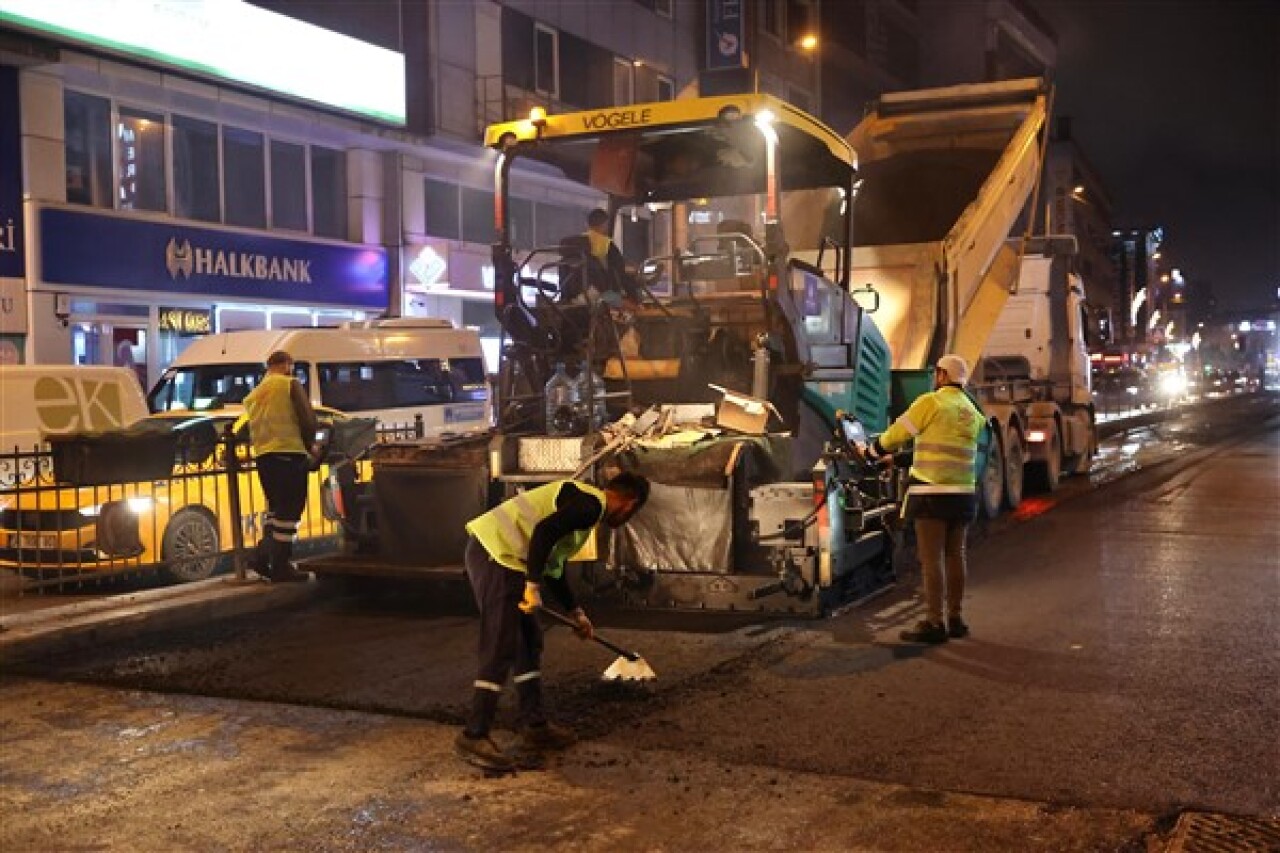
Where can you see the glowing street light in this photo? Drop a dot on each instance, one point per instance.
(809, 42)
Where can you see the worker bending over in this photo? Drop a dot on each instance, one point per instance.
(513, 551)
(942, 497)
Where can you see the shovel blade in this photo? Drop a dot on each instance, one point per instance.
(629, 670)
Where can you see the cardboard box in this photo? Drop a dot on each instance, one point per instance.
(743, 413)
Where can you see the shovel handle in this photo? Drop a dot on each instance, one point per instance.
(565, 620)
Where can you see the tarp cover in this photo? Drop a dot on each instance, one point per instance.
(680, 529)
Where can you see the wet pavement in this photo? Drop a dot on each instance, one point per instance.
(1124, 667)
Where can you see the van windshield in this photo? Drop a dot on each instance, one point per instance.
(208, 387)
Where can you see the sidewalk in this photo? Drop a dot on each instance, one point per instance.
(60, 628)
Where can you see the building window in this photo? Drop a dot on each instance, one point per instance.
(329, 192)
(88, 133)
(243, 156)
(441, 209)
(771, 17)
(196, 181)
(477, 216)
(623, 82)
(666, 88)
(288, 186)
(140, 161)
(546, 60)
(662, 7)
(800, 20)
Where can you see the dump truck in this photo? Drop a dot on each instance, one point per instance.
(941, 233)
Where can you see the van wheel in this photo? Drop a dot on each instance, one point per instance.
(1046, 474)
(1015, 459)
(992, 492)
(190, 549)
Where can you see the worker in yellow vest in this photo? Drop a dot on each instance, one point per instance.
(942, 494)
(608, 270)
(513, 551)
(282, 428)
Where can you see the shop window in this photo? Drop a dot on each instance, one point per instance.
(140, 161)
(554, 223)
(288, 186)
(244, 158)
(88, 130)
(520, 214)
(477, 216)
(441, 202)
(196, 180)
(329, 192)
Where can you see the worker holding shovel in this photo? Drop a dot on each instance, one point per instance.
(513, 551)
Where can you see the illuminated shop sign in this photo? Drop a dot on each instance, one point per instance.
(231, 40)
(108, 250)
(186, 321)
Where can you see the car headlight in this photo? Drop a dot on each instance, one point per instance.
(1173, 384)
(137, 505)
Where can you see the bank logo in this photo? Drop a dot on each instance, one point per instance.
(178, 258)
(183, 259)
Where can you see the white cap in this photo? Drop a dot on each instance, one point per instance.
(956, 367)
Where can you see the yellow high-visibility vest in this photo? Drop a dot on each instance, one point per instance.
(506, 530)
(599, 245)
(945, 426)
(273, 422)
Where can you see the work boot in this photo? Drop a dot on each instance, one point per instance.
(260, 559)
(925, 631)
(482, 752)
(957, 627)
(545, 736)
(282, 570)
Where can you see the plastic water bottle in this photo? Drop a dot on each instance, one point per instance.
(561, 393)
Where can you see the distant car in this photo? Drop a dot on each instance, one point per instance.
(1125, 387)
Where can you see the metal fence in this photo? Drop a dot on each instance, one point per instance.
(182, 506)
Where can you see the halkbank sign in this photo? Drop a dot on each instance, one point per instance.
(89, 249)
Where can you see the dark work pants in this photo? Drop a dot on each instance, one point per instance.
(284, 483)
(508, 638)
(283, 477)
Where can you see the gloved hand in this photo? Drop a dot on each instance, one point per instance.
(532, 598)
(584, 629)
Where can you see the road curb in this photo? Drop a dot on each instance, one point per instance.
(56, 631)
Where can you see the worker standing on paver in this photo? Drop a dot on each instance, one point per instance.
(942, 495)
(512, 552)
(282, 427)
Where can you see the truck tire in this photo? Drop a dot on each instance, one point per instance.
(1081, 465)
(190, 548)
(1046, 475)
(1014, 471)
(991, 489)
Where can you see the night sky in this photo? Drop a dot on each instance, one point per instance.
(1176, 103)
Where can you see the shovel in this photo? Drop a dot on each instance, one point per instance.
(628, 667)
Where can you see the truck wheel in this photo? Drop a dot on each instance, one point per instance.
(1045, 475)
(190, 546)
(1014, 460)
(1080, 466)
(992, 492)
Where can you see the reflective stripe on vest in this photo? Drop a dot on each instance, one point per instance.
(273, 422)
(506, 530)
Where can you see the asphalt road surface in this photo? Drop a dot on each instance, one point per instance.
(1124, 668)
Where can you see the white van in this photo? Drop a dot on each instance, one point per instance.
(40, 400)
(389, 369)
